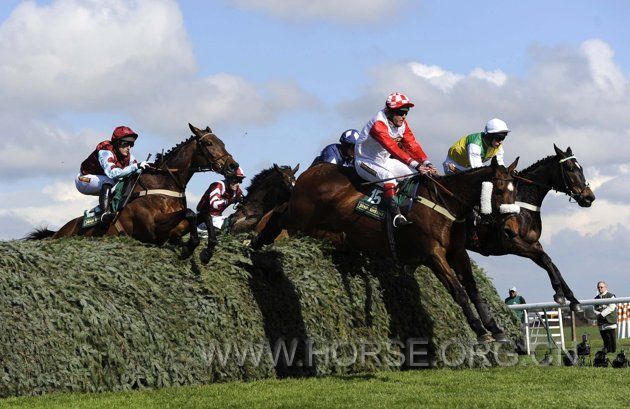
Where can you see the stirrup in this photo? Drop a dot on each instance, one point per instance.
(107, 217)
(402, 221)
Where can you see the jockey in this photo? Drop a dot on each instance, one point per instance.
(473, 150)
(213, 203)
(110, 162)
(341, 153)
(387, 148)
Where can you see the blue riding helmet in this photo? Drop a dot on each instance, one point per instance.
(351, 136)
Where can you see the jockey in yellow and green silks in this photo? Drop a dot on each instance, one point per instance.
(472, 151)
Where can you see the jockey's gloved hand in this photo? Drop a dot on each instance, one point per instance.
(423, 169)
(144, 165)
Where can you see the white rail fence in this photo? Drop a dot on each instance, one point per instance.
(543, 321)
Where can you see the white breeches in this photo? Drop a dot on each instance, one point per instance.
(371, 171)
(91, 184)
(217, 221)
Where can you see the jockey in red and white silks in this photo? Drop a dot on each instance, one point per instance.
(107, 164)
(110, 161)
(213, 203)
(387, 148)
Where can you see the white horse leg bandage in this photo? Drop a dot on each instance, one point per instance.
(486, 197)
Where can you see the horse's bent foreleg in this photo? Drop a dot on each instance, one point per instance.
(536, 253)
(442, 270)
(273, 227)
(183, 227)
(461, 264)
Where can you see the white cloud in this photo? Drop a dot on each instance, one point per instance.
(605, 72)
(106, 57)
(353, 11)
(91, 54)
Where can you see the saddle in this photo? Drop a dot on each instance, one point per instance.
(120, 192)
(372, 204)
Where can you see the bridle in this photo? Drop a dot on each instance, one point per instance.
(567, 190)
(214, 165)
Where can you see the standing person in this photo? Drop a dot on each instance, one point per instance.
(213, 203)
(515, 298)
(472, 151)
(512, 299)
(387, 149)
(110, 162)
(606, 318)
(342, 153)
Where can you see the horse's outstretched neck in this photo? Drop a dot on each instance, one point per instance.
(39, 234)
(466, 188)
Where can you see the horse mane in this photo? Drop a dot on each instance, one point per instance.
(161, 158)
(262, 176)
(537, 164)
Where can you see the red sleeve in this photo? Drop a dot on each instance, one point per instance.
(410, 145)
(380, 132)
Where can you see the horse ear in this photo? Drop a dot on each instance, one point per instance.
(494, 162)
(569, 151)
(513, 165)
(276, 167)
(194, 129)
(208, 130)
(558, 150)
(295, 169)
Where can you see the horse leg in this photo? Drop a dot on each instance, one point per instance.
(193, 240)
(536, 253)
(176, 234)
(272, 229)
(440, 267)
(461, 264)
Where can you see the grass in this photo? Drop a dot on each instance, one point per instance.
(525, 386)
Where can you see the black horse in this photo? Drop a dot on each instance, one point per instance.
(269, 188)
(560, 172)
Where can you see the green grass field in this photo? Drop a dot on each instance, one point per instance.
(522, 386)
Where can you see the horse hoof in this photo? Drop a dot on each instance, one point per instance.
(205, 256)
(558, 298)
(575, 307)
(485, 338)
(501, 338)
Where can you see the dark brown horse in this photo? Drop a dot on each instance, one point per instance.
(323, 205)
(560, 172)
(268, 189)
(157, 211)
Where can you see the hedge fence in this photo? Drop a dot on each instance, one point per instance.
(87, 314)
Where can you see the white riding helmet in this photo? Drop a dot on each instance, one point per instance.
(495, 125)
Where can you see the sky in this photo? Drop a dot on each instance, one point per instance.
(277, 80)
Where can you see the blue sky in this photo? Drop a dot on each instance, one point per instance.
(277, 80)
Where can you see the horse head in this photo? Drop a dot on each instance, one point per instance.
(502, 196)
(570, 178)
(287, 175)
(211, 153)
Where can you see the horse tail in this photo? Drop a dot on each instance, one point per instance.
(39, 234)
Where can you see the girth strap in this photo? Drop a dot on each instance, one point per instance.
(441, 210)
(528, 206)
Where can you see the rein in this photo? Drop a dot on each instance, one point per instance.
(566, 190)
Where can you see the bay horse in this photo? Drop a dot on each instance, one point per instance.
(323, 204)
(156, 211)
(560, 172)
(268, 189)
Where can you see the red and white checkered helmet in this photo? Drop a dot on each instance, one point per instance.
(396, 100)
(124, 133)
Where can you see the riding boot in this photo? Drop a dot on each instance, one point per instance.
(397, 218)
(104, 200)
